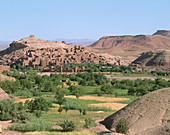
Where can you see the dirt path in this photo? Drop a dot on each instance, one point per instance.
(133, 78)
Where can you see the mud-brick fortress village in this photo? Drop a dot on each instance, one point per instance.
(47, 55)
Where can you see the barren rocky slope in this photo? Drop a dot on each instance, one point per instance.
(148, 115)
(157, 60)
(132, 45)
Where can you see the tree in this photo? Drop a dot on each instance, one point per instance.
(39, 104)
(60, 97)
(76, 91)
(107, 89)
(69, 83)
(98, 92)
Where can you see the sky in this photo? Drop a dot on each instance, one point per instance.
(77, 19)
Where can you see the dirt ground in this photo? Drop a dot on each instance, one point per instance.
(105, 99)
(23, 100)
(112, 106)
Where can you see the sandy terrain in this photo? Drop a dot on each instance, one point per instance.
(113, 106)
(23, 100)
(105, 99)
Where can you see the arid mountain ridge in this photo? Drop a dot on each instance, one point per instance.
(132, 45)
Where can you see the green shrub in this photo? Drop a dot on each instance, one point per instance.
(88, 122)
(122, 126)
(98, 92)
(38, 113)
(84, 112)
(38, 104)
(67, 125)
(60, 109)
(107, 89)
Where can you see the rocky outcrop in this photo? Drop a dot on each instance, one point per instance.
(157, 59)
(36, 43)
(148, 115)
(163, 33)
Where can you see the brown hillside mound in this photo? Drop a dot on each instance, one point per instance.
(132, 45)
(148, 115)
(3, 94)
(157, 59)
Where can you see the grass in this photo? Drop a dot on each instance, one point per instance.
(83, 102)
(123, 93)
(88, 90)
(34, 125)
(55, 118)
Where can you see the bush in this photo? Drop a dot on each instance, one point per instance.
(98, 92)
(76, 91)
(67, 125)
(38, 104)
(107, 89)
(38, 113)
(88, 122)
(122, 126)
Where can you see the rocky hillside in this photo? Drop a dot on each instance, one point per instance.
(163, 33)
(148, 115)
(132, 45)
(40, 53)
(157, 59)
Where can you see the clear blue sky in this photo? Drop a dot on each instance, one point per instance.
(52, 19)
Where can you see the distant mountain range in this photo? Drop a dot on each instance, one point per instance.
(4, 44)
